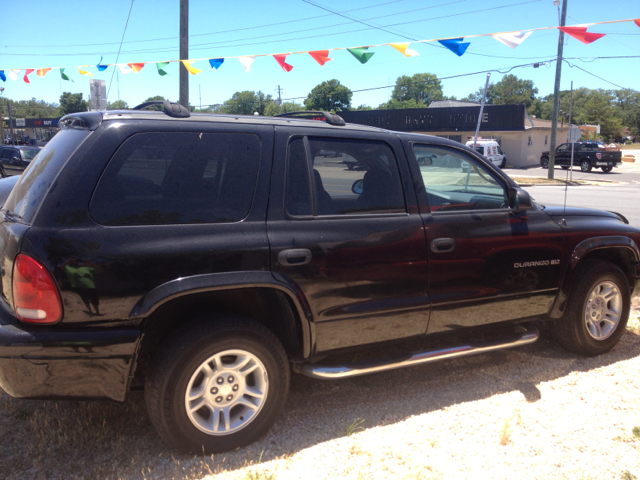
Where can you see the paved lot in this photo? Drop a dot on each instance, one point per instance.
(626, 172)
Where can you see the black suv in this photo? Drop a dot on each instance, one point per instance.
(204, 256)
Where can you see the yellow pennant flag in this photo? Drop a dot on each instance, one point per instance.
(84, 72)
(41, 72)
(190, 69)
(403, 49)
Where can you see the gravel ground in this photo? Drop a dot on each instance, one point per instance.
(535, 412)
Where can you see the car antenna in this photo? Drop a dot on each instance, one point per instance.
(566, 181)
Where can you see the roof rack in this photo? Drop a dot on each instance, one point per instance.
(172, 109)
(330, 118)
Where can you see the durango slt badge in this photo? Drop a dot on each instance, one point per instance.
(540, 263)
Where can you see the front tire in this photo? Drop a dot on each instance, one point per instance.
(217, 386)
(597, 309)
(585, 166)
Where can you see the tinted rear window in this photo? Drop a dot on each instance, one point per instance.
(178, 178)
(590, 146)
(34, 183)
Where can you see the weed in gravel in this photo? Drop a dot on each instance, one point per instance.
(627, 475)
(505, 433)
(636, 432)
(354, 427)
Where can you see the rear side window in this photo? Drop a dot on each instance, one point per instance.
(178, 178)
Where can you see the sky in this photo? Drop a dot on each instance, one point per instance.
(70, 33)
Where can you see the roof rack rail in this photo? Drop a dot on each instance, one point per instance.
(172, 109)
(330, 118)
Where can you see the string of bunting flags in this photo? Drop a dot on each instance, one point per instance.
(457, 45)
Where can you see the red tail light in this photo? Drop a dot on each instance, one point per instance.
(598, 156)
(35, 295)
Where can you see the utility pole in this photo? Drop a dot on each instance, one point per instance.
(12, 140)
(484, 96)
(556, 93)
(184, 52)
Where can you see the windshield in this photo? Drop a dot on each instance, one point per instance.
(29, 153)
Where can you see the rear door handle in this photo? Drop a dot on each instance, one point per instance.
(294, 257)
(441, 245)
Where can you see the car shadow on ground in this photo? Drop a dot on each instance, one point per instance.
(72, 439)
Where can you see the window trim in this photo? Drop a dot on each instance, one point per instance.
(312, 189)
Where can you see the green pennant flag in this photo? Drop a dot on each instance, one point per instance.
(361, 54)
(64, 75)
(161, 66)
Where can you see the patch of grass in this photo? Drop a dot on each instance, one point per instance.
(636, 432)
(354, 427)
(627, 475)
(545, 181)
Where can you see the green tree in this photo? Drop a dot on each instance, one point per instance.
(29, 108)
(246, 103)
(329, 96)
(627, 108)
(508, 91)
(117, 105)
(71, 103)
(272, 109)
(157, 98)
(417, 91)
(363, 107)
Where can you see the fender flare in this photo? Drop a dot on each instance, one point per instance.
(210, 282)
(579, 252)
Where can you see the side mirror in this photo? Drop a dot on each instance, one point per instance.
(357, 187)
(519, 199)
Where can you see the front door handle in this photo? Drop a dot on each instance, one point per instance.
(294, 257)
(441, 245)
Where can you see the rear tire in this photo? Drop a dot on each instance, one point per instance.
(597, 309)
(585, 166)
(504, 162)
(217, 386)
(607, 169)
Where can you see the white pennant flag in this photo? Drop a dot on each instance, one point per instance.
(512, 39)
(246, 62)
(124, 68)
(13, 74)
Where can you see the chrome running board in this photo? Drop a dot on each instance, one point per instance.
(529, 335)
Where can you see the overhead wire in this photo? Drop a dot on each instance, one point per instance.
(118, 56)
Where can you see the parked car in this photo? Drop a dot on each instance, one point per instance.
(585, 155)
(15, 158)
(491, 150)
(203, 258)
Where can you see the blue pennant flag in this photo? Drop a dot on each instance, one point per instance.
(455, 45)
(102, 68)
(2, 76)
(216, 62)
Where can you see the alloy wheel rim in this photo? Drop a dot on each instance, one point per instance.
(585, 166)
(603, 310)
(226, 392)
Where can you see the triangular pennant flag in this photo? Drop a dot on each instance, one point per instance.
(136, 67)
(64, 75)
(403, 49)
(361, 54)
(321, 56)
(246, 62)
(124, 69)
(512, 40)
(41, 72)
(281, 59)
(580, 33)
(216, 62)
(161, 66)
(27, 72)
(637, 21)
(455, 45)
(84, 72)
(13, 74)
(100, 67)
(3, 77)
(190, 69)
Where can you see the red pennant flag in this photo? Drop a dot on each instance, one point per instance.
(580, 33)
(27, 72)
(637, 21)
(320, 56)
(136, 67)
(281, 61)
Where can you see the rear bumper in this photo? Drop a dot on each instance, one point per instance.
(60, 363)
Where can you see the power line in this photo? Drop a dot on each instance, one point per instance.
(594, 75)
(118, 56)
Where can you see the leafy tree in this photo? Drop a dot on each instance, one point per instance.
(157, 98)
(508, 91)
(71, 103)
(246, 103)
(29, 108)
(329, 96)
(272, 109)
(627, 107)
(364, 107)
(417, 91)
(117, 105)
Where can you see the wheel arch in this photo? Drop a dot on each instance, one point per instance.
(256, 295)
(620, 250)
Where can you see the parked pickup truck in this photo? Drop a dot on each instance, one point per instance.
(586, 155)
